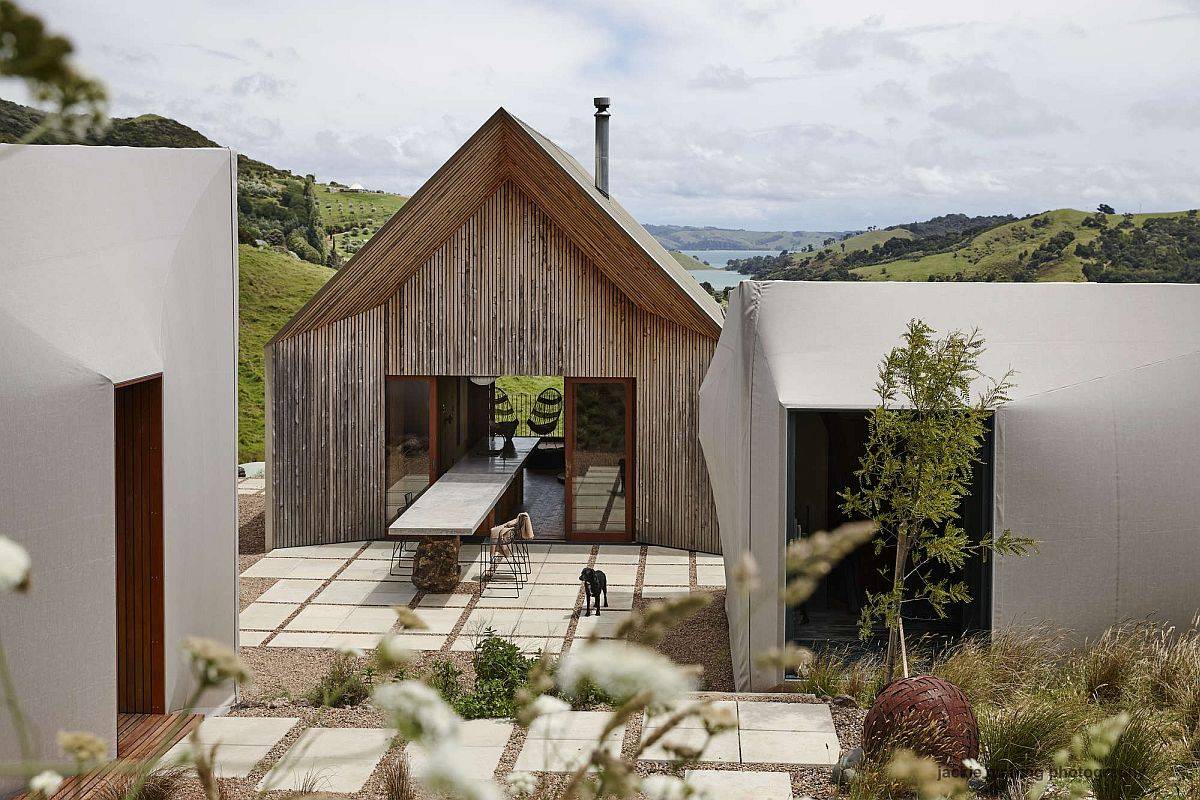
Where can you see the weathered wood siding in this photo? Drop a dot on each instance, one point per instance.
(509, 293)
(326, 438)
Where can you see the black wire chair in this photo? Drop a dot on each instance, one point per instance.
(546, 412)
(502, 408)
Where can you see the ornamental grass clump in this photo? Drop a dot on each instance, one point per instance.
(343, 685)
(1019, 741)
(991, 668)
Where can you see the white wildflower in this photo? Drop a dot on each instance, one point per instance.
(14, 566)
(623, 670)
(664, 787)
(521, 784)
(545, 704)
(45, 783)
(746, 575)
(407, 619)
(717, 718)
(418, 713)
(975, 768)
(83, 746)
(393, 653)
(213, 663)
(443, 775)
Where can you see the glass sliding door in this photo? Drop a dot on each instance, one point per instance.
(410, 441)
(600, 466)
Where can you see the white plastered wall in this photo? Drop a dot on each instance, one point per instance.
(115, 263)
(1098, 455)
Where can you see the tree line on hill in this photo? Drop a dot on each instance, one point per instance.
(1160, 250)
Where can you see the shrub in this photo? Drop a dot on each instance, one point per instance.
(445, 678)
(990, 669)
(343, 684)
(835, 671)
(490, 699)
(1137, 766)
(1020, 740)
(1109, 669)
(499, 659)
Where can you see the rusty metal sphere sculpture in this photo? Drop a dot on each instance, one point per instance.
(925, 714)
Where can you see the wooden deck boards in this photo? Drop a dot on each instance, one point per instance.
(138, 737)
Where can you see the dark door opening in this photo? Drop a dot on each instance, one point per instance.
(600, 462)
(824, 448)
(141, 677)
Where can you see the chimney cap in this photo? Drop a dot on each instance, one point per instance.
(602, 103)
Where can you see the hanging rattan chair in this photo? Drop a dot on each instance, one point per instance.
(502, 407)
(546, 412)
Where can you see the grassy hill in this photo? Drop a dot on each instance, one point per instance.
(868, 239)
(690, 262)
(1003, 252)
(272, 287)
(351, 217)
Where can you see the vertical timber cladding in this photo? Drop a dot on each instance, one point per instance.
(327, 439)
(509, 293)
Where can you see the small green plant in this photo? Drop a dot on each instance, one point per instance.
(1019, 741)
(445, 678)
(1138, 764)
(344, 684)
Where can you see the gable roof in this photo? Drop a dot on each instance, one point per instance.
(503, 148)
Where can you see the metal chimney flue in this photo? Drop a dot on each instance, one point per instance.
(602, 115)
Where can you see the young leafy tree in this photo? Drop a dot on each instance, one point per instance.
(922, 445)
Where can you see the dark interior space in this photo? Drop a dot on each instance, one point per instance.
(824, 451)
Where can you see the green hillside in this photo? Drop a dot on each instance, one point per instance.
(272, 287)
(690, 262)
(351, 217)
(868, 239)
(1008, 252)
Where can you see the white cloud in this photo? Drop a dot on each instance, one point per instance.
(759, 113)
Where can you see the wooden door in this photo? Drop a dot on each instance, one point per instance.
(141, 676)
(600, 469)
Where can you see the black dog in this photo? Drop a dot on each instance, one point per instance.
(594, 585)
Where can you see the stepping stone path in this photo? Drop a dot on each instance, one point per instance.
(242, 742)
(334, 759)
(732, 785)
(769, 732)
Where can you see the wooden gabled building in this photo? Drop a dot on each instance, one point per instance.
(508, 261)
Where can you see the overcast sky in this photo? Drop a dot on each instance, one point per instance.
(741, 113)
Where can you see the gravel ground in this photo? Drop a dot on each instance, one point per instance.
(702, 639)
(251, 524)
(250, 589)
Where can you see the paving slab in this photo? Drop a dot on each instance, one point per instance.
(710, 575)
(558, 742)
(438, 620)
(369, 569)
(337, 759)
(737, 785)
(290, 590)
(722, 747)
(456, 600)
(366, 593)
(271, 567)
(343, 551)
(252, 638)
(265, 616)
(666, 575)
(242, 742)
(528, 644)
(774, 716)
(803, 748)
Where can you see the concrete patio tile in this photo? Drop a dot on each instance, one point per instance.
(243, 742)
(564, 569)
(774, 716)
(663, 592)
(614, 556)
(458, 600)
(803, 748)
(706, 560)
(366, 593)
(727, 784)
(252, 638)
(367, 619)
(558, 755)
(368, 569)
(529, 645)
(666, 555)
(290, 590)
(502, 620)
(421, 641)
(667, 575)
(341, 759)
(298, 639)
(438, 620)
(722, 747)
(378, 550)
(357, 641)
(341, 551)
(615, 573)
(571, 549)
(572, 725)
(693, 721)
(604, 626)
(271, 567)
(710, 575)
(319, 618)
(265, 616)
(478, 763)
